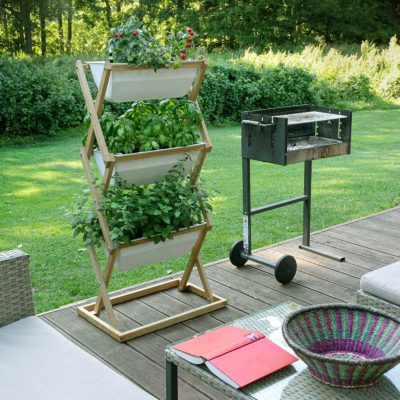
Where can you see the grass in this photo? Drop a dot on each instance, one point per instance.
(38, 181)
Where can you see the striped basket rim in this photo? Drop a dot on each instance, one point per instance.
(321, 357)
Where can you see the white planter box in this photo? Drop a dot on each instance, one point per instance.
(144, 84)
(148, 252)
(148, 169)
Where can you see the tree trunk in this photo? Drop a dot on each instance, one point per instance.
(108, 14)
(179, 7)
(118, 5)
(60, 29)
(396, 9)
(5, 29)
(69, 34)
(21, 35)
(26, 9)
(42, 18)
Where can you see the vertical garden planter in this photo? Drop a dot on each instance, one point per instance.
(122, 83)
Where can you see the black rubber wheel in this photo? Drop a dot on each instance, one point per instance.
(285, 269)
(235, 254)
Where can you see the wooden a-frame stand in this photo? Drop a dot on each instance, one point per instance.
(92, 311)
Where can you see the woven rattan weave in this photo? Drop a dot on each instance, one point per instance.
(367, 299)
(15, 287)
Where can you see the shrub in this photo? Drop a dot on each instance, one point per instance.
(36, 99)
(389, 88)
(285, 86)
(325, 93)
(355, 87)
(228, 90)
(152, 211)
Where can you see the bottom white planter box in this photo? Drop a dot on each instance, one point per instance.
(148, 169)
(140, 254)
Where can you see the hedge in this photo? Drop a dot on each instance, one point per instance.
(42, 97)
(37, 98)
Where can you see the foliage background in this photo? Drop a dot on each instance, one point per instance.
(81, 26)
(40, 96)
(262, 53)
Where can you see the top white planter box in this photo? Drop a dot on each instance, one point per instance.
(145, 84)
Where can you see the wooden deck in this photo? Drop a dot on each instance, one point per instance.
(367, 244)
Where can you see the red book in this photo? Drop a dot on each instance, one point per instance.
(237, 356)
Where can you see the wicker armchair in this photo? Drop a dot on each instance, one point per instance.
(52, 366)
(15, 287)
(367, 299)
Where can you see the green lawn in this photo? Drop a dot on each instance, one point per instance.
(38, 181)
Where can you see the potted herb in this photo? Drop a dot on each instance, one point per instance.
(147, 223)
(155, 65)
(150, 126)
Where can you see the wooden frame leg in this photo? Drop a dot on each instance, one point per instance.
(108, 175)
(204, 279)
(106, 276)
(192, 261)
(102, 285)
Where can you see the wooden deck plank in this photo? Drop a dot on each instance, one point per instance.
(380, 235)
(337, 245)
(314, 292)
(346, 268)
(367, 244)
(335, 277)
(358, 259)
(386, 233)
(263, 286)
(124, 359)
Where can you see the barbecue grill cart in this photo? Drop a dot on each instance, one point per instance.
(286, 136)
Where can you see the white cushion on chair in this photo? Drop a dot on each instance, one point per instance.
(383, 283)
(39, 363)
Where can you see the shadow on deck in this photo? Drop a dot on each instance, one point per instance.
(367, 244)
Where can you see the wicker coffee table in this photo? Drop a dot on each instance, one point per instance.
(291, 383)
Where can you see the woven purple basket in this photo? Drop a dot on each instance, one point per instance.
(344, 345)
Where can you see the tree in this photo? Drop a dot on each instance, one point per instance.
(60, 10)
(50, 26)
(43, 13)
(70, 12)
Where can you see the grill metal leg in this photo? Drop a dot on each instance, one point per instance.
(172, 381)
(307, 203)
(246, 206)
(285, 268)
(307, 216)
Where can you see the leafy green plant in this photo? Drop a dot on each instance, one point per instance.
(132, 43)
(150, 125)
(152, 211)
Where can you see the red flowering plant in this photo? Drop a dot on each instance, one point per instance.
(132, 43)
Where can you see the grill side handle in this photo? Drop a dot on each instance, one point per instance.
(261, 141)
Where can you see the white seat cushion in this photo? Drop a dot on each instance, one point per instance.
(39, 363)
(383, 283)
